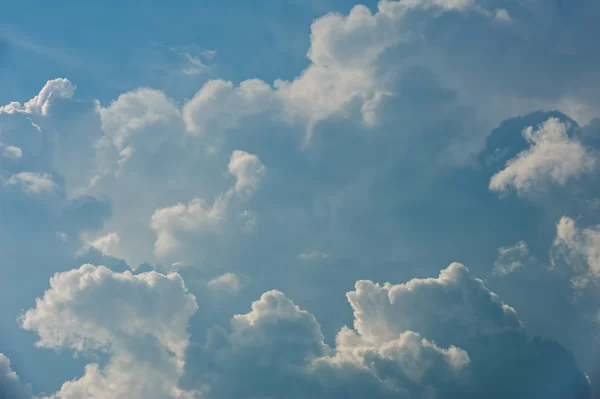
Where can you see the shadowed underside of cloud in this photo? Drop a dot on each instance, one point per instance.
(444, 337)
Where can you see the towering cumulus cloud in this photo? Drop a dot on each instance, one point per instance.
(139, 321)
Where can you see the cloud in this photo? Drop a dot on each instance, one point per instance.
(313, 255)
(10, 152)
(553, 157)
(32, 182)
(225, 282)
(139, 320)
(248, 171)
(11, 386)
(56, 89)
(381, 312)
(197, 216)
(580, 248)
(106, 244)
(511, 259)
(395, 350)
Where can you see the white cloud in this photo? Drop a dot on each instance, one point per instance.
(190, 217)
(226, 282)
(385, 356)
(197, 216)
(511, 259)
(10, 152)
(344, 54)
(11, 386)
(31, 182)
(139, 320)
(134, 113)
(106, 244)
(219, 106)
(248, 171)
(313, 255)
(54, 89)
(468, 308)
(553, 157)
(580, 247)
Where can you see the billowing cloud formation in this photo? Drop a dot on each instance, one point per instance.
(446, 337)
(140, 321)
(197, 216)
(553, 157)
(580, 247)
(381, 312)
(11, 386)
(54, 89)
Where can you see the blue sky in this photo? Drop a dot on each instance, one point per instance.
(300, 199)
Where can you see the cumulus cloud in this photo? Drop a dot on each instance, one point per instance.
(396, 348)
(40, 105)
(139, 320)
(32, 182)
(511, 259)
(106, 244)
(225, 282)
(469, 309)
(248, 171)
(553, 157)
(197, 216)
(11, 386)
(580, 247)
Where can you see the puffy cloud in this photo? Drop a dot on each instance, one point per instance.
(511, 259)
(32, 182)
(225, 282)
(134, 112)
(10, 152)
(197, 216)
(278, 350)
(139, 320)
(11, 386)
(219, 106)
(553, 157)
(53, 89)
(248, 171)
(468, 309)
(106, 244)
(580, 247)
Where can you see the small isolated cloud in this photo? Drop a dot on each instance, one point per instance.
(580, 248)
(313, 255)
(10, 152)
(40, 105)
(11, 386)
(553, 157)
(139, 320)
(228, 282)
(511, 259)
(31, 182)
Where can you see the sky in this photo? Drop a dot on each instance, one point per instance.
(300, 199)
